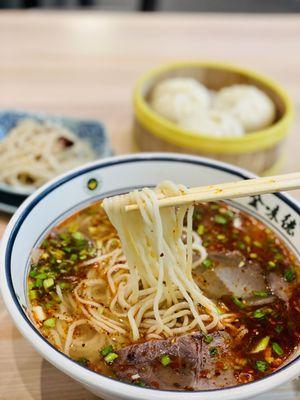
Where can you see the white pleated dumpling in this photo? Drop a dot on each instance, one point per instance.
(248, 104)
(177, 98)
(213, 123)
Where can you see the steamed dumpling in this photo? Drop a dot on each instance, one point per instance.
(248, 104)
(213, 123)
(177, 98)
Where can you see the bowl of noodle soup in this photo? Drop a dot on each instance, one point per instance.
(175, 311)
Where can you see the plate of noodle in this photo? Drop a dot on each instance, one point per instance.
(199, 300)
(34, 148)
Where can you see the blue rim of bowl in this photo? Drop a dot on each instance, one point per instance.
(147, 157)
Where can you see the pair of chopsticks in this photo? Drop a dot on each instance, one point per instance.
(232, 190)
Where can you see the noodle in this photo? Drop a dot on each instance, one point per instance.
(34, 152)
(160, 264)
(70, 334)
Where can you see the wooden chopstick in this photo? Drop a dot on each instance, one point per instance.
(231, 190)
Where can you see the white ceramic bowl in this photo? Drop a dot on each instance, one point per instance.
(70, 192)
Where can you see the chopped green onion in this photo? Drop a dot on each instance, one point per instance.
(257, 244)
(278, 256)
(50, 304)
(278, 328)
(139, 383)
(261, 366)
(259, 314)
(49, 323)
(229, 214)
(241, 245)
(73, 257)
(38, 282)
(33, 274)
(207, 263)
(77, 236)
(261, 293)
(238, 302)
(109, 359)
(220, 219)
(271, 265)
(213, 351)
(221, 237)
(83, 361)
(41, 276)
(200, 229)
(92, 229)
(208, 339)
(52, 274)
(64, 285)
(48, 283)
(289, 274)
(73, 227)
(165, 360)
(55, 297)
(63, 236)
(261, 345)
(253, 255)
(92, 184)
(106, 350)
(33, 294)
(45, 244)
(277, 349)
(214, 206)
(247, 239)
(58, 254)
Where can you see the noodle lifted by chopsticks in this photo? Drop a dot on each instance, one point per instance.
(158, 289)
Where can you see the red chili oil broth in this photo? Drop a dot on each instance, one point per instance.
(214, 222)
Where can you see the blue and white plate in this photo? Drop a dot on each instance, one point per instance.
(90, 130)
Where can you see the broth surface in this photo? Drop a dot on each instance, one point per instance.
(248, 272)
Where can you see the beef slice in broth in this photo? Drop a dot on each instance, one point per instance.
(282, 289)
(231, 275)
(194, 364)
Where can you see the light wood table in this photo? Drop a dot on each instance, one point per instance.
(85, 64)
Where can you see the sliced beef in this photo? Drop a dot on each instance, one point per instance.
(259, 302)
(232, 275)
(195, 364)
(282, 289)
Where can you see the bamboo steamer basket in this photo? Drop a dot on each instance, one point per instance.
(261, 151)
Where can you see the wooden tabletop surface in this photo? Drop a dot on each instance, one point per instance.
(84, 64)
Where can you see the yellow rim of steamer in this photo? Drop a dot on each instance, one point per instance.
(172, 133)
